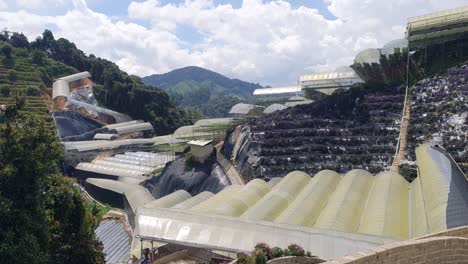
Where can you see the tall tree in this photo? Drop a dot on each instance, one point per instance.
(42, 216)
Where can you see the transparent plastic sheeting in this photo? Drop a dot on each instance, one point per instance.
(444, 189)
(96, 110)
(133, 128)
(141, 168)
(237, 234)
(85, 95)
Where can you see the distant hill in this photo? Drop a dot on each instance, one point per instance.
(207, 91)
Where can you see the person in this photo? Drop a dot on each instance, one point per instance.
(146, 258)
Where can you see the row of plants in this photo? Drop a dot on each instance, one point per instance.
(263, 252)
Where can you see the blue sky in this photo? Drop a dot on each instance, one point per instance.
(262, 41)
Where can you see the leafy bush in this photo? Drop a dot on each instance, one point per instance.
(5, 91)
(286, 252)
(243, 258)
(12, 75)
(32, 91)
(264, 249)
(6, 49)
(260, 258)
(296, 250)
(276, 252)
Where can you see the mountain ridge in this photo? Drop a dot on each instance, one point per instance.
(203, 89)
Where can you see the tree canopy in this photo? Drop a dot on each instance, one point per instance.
(42, 216)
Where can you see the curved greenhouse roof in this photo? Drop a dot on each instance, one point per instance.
(390, 47)
(328, 214)
(273, 108)
(241, 109)
(368, 56)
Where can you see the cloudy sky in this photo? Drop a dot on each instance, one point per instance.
(267, 41)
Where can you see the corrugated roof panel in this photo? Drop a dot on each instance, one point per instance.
(344, 208)
(238, 203)
(169, 200)
(308, 204)
(195, 200)
(283, 194)
(386, 213)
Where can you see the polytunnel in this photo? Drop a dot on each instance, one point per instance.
(272, 204)
(386, 212)
(344, 208)
(308, 204)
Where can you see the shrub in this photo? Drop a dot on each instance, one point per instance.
(260, 258)
(12, 75)
(286, 252)
(308, 254)
(243, 258)
(296, 250)
(32, 91)
(276, 252)
(264, 249)
(189, 162)
(5, 91)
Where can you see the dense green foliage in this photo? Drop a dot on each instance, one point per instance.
(42, 215)
(263, 252)
(38, 62)
(205, 90)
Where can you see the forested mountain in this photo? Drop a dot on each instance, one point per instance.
(207, 91)
(115, 89)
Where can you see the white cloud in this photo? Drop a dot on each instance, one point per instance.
(3, 5)
(262, 41)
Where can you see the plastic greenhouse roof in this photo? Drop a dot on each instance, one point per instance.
(329, 214)
(368, 56)
(442, 17)
(241, 109)
(277, 90)
(273, 108)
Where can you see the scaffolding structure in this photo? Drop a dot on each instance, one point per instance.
(440, 40)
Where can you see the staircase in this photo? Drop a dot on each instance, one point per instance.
(403, 136)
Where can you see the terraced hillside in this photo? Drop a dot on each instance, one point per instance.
(355, 129)
(29, 72)
(439, 113)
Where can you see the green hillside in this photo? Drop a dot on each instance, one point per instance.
(205, 90)
(32, 66)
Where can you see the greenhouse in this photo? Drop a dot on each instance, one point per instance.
(349, 212)
(327, 83)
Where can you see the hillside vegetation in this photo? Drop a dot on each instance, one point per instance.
(202, 89)
(32, 66)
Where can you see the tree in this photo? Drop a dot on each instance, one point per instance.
(19, 40)
(38, 57)
(6, 49)
(28, 152)
(5, 90)
(42, 216)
